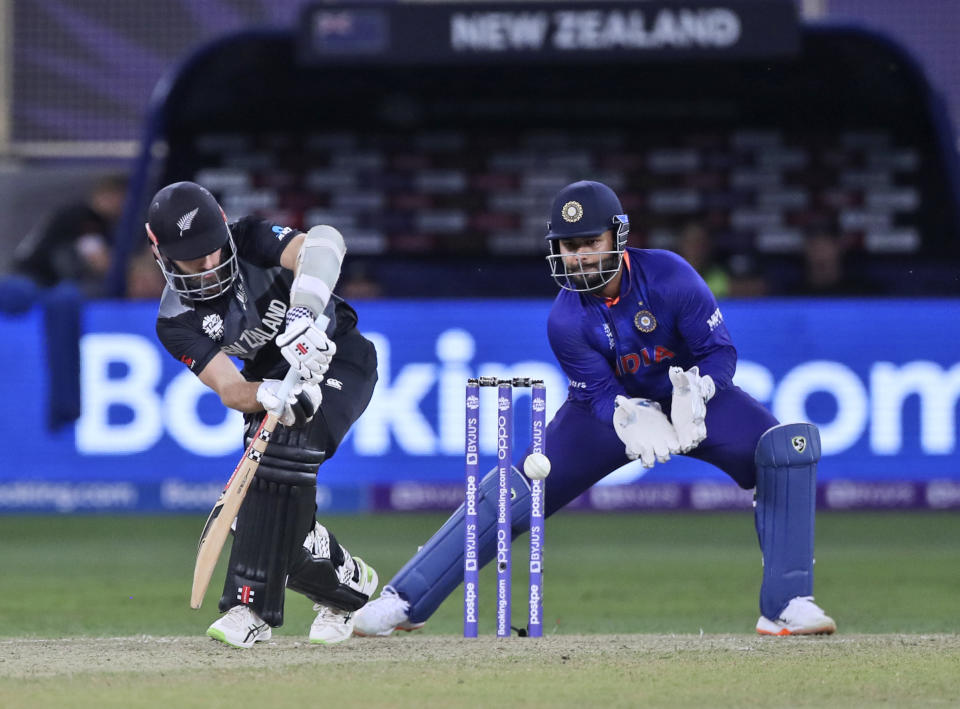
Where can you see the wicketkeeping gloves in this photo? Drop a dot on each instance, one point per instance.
(688, 409)
(644, 430)
(301, 404)
(307, 348)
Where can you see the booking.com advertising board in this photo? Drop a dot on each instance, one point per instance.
(881, 378)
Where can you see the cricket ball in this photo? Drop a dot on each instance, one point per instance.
(536, 466)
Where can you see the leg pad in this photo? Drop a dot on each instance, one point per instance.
(277, 514)
(437, 569)
(786, 496)
(316, 572)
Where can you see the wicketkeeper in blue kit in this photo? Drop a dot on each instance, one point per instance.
(650, 364)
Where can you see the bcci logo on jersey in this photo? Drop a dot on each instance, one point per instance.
(645, 321)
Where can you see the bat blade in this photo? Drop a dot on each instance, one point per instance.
(217, 526)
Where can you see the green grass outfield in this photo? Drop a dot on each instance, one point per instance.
(640, 609)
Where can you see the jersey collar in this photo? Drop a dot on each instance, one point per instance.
(610, 302)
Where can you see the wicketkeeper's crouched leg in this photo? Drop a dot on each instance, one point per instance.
(437, 569)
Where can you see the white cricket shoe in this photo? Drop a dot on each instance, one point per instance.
(240, 627)
(801, 617)
(333, 626)
(382, 616)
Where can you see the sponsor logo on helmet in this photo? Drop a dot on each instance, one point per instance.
(572, 212)
(213, 326)
(186, 220)
(645, 321)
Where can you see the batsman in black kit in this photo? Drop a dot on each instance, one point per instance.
(253, 290)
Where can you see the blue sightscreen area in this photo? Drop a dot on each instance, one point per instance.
(880, 377)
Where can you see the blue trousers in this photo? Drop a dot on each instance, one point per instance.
(582, 450)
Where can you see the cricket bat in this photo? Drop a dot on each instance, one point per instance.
(221, 517)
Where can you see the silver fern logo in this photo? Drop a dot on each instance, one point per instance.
(186, 220)
(213, 326)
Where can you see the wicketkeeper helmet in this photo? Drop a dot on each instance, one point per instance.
(583, 209)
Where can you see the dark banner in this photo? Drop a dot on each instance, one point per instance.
(548, 32)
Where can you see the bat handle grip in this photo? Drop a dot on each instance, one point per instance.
(292, 374)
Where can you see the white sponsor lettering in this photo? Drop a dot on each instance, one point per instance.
(471, 496)
(67, 497)
(838, 380)
(175, 411)
(503, 600)
(654, 496)
(938, 390)
(942, 494)
(135, 392)
(126, 408)
(717, 496)
(395, 414)
(417, 496)
(534, 604)
(848, 494)
(503, 547)
(471, 603)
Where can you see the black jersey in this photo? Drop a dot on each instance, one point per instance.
(245, 320)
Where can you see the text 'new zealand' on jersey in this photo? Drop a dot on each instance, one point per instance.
(247, 317)
(664, 316)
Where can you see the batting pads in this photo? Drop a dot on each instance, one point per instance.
(273, 521)
(318, 268)
(786, 460)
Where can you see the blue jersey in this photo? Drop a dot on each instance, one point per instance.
(664, 316)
